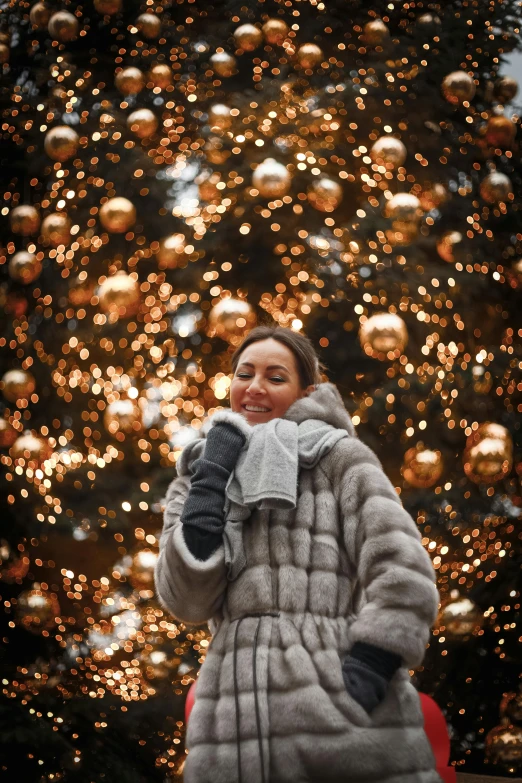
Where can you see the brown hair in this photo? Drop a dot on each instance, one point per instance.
(309, 366)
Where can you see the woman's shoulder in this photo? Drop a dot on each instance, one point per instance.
(347, 454)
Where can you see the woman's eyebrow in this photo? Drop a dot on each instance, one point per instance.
(270, 366)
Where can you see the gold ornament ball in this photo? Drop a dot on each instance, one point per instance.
(432, 196)
(141, 575)
(56, 229)
(108, 7)
(488, 456)
(149, 25)
(383, 333)
(230, 319)
(389, 152)
(500, 132)
(24, 220)
(63, 26)
(272, 179)
(160, 75)
(31, 449)
(4, 53)
(122, 416)
(223, 64)
(36, 610)
(118, 214)
(511, 707)
(490, 429)
(215, 151)
(248, 37)
(457, 87)
(24, 267)
(404, 208)
(8, 434)
(504, 746)
(448, 246)
(61, 142)
(459, 618)
(309, 55)
(17, 385)
(325, 194)
(428, 22)
(422, 467)
(505, 89)
(129, 81)
(170, 251)
(376, 33)
(81, 290)
(120, 294)
(495, 187)
(219, 116)
(275, 31)
(12, 565)
(39, 16)
(143, 123)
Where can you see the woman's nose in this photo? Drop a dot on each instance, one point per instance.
(256, 386)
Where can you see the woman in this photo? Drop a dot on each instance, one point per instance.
(290, 539)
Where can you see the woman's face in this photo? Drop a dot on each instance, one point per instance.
(267, 379)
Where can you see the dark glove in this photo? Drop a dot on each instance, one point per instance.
(367, 672)
(223, 444)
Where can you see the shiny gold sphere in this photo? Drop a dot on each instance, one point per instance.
(376, 33)
(4, 53)
(61, 142)
(216, 151)
(511, 707)
(448, 246)
(272, 179)
(325, 194)
(24, 220)
(63, 26)
(457, 87)
(149, 25)
(500, 132)
(309, 55)
(171, 250)
(275, 31)
(422, 467)
(8, 434)
(120, 294)
(383, 333)
(460, 618)
(231, 319)
(24, 267)
(13, 566)
(488, 456)
(432, 196)
(108, 7)
(17, 385)
(30, 448)
(129, 81)
(117, 215)
(223, 64)
(219, 116)
(428, 22)
(404, 208)
(495, 187)
(141, 574)
(56, 229)
(39, 15)
(389, 152)
(248, 37)
(143, 123)
(505, 89)
(122, 416)
(160, 75)
(36, 610)
(503, 746)
(490, 429)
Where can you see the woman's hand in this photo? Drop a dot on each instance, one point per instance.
(223, 445)
(364, 685)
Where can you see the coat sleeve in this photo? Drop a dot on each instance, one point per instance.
(191, 590)
(394, 574)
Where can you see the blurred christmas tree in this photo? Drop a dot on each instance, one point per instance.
(173, 172)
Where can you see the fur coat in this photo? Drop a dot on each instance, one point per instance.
(345, 565)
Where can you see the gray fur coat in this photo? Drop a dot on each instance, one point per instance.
(345, 565)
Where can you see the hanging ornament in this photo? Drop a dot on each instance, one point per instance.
(36, 609)
(39, 16)
(422, 467)
(458, 87)
(143, 123)
(61, 142)
(460, 618)
(389, 152)
(81, 290)
(120, 294)
(272, 179)
(248, 37)
(56, 229)
(24, 220)
(216, 151)
(129, 81)
(8, 434)
(495, 187)
(30, 449)
(108, 7)
(171, 250)
(449, 246)
(511, 707)
(275, 31)
(13, 566)
(219, 116)
(383, 333)
(141, 572)
(24, 267)
(207, 183)
(63, 26)
(160, 75)
(118, 215)
(500, 132)
(503, 746)
(376, 33)
(325, 194)
(405, 211)
(149, 25)
(17, 385)
(309, 55)
(231, 319)
(429, 23)
(223, 64)
(432, 196)
(505, 89)
(122, 416)
(488, 456)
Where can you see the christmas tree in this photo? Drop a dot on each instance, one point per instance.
(174, 172)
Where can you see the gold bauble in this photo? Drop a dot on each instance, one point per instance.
(428, 22)
(405, 211)
(122, 416)
(376, 33)
(248, 37)
(63, 26)
(325, 194)
(141, 574)
(488, 456)
(17, 385)
(230, 319)
(81, 290)
(309, 55)
(459, 618)
(56, 229)
(61, 142)
(170, 251)
(504, 746)
(39, 15)
(383, 333)
(457, 87)
(36, 610)
(4, 53)
(500, 132)
(108, 7)
(389, 152)
(495, 187)
(505, 89)
(129, 81)
(160, 75)
(448, 246)
(118, 214)
(8, 434)
(215, 150)
(490, 429)
(511, 707)
(272, 179)
(30, 448)
(149, 25)
(24, 220)
(422, 467)
(24, 267)
(432, 196)
(120, 294)
(143, 123)
(275, 31)
(219, 116)
(223, 64)
(12, 565)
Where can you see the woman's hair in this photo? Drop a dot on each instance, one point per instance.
(309, 366)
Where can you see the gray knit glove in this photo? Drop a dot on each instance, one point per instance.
(364, 684)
